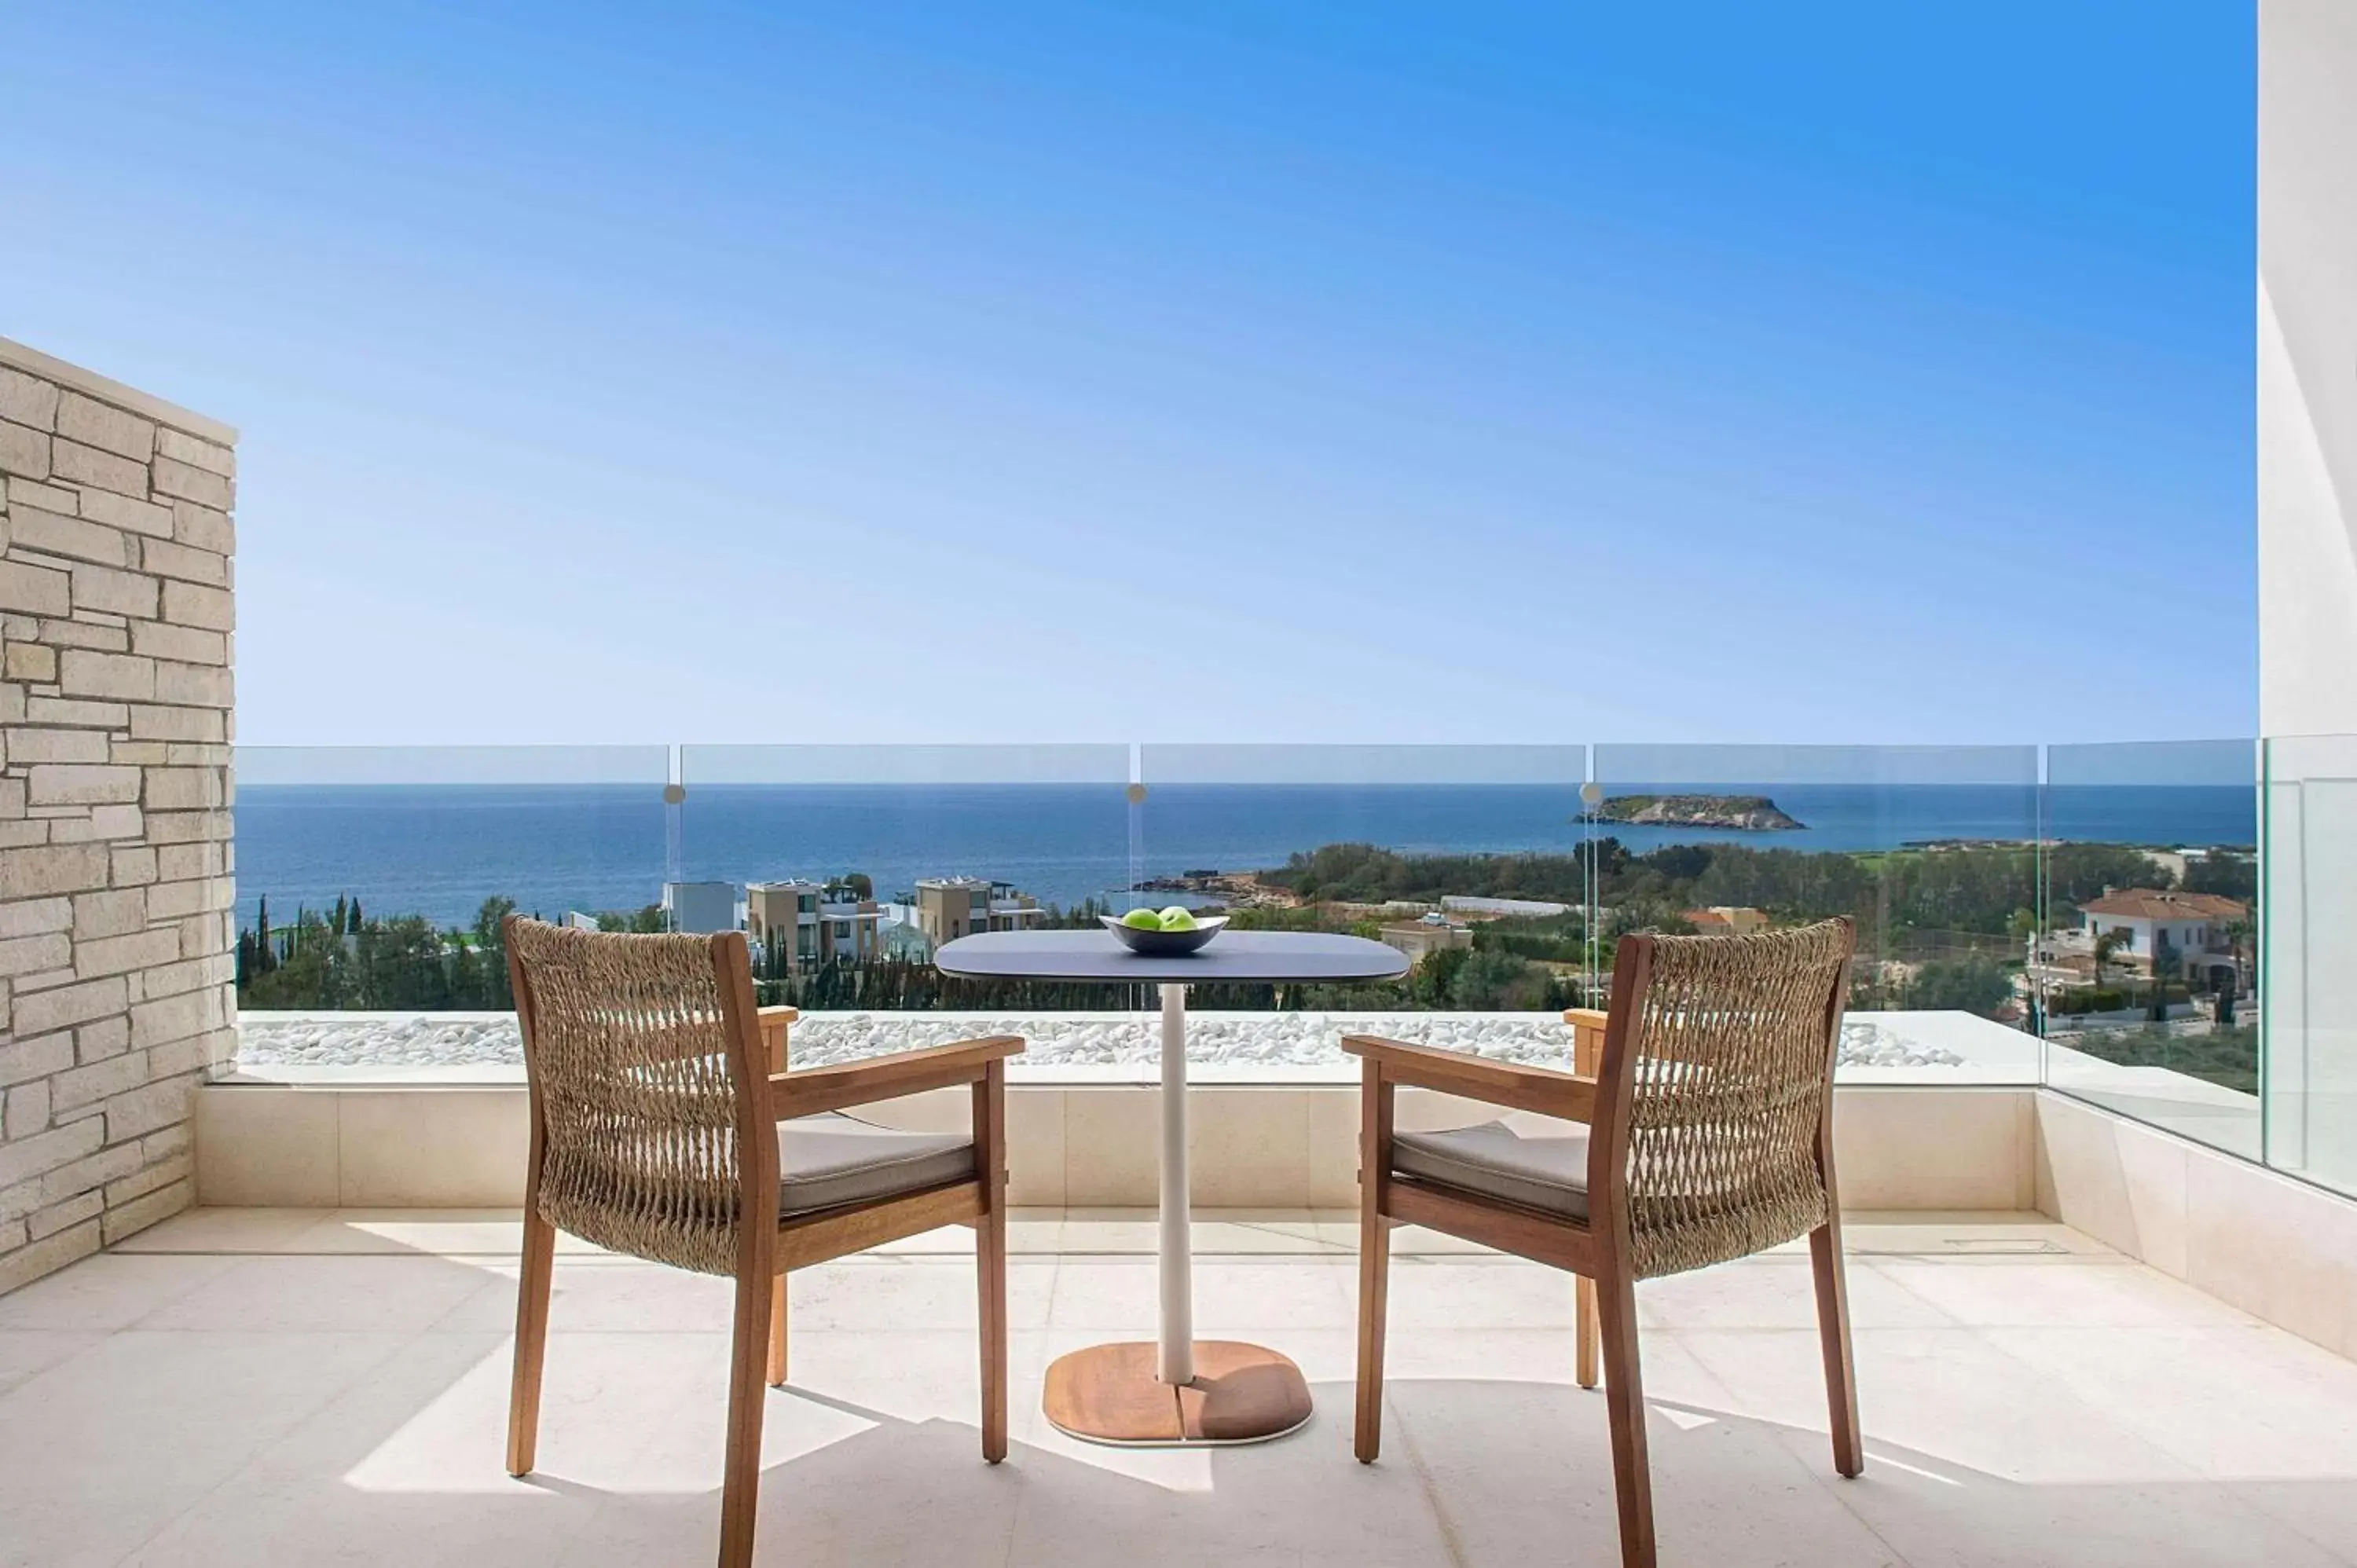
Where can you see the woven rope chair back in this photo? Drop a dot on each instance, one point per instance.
(629, 1052)
(1730, 1058)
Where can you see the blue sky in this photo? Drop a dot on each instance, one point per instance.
(1241, 373)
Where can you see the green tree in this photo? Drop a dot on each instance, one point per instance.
(400, 966)
(2107, 944)
(2076, 873)
(2168, 966)
(488, 935)
(469, 986)
(1788, 883)
(2226, 874)
(1491, 980)
(1432, 982)
(493, 943)
(1961, 986)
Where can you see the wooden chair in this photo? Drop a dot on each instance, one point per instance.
(664, 1126)
(1707, 1136)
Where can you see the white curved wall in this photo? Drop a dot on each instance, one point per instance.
(2308, 367)
(2308, 578)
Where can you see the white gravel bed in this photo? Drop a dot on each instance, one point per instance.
(1054, 1039)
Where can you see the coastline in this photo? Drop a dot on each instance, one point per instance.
(440, 849)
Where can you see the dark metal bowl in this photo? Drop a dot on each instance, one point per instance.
(1165, 944)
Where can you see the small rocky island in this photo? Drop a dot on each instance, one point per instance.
(1747, 813)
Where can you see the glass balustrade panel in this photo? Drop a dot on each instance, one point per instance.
(1930, 851)
(2309, 980)
(1472, 861)
(2147, 960)
(371, 882)
(848, 867)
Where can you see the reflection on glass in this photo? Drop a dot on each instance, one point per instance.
(2310, 984)
(2146, 962)
(1932, 851)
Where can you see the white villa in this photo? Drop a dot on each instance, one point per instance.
(2146, 922)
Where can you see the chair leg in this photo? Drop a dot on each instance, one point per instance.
(740, 1488)
(1583, 1328)
(533, 1288)
(777, 1334)
(1375, 1283)
(990, 1252)
(1375, 1107)
(1624, 1398)
(1832, 1333)
(990, 1271)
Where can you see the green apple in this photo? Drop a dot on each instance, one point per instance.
(1178, 917)
(1142, 920)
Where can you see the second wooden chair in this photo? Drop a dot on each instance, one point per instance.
(1705, 1135)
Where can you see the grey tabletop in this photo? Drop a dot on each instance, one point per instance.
(1251, 957)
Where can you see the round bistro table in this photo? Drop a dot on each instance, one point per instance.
(1177, 1390)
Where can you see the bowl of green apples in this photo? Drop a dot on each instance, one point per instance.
(1164, 933)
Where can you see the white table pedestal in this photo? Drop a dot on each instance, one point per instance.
(1179, 1390)
(1175, 1363)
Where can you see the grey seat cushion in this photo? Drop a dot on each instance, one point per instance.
(1536, 1161)
(825, 1162)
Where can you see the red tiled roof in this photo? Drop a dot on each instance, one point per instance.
(2147, 903)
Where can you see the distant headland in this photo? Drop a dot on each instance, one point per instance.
(1747, 813)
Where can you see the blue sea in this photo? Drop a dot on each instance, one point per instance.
(439, 850)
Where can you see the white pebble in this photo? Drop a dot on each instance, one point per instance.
(1280, 1039)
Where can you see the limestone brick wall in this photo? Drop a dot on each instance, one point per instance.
(117, 929)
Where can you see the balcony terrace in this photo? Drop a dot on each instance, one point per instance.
(267, 1130)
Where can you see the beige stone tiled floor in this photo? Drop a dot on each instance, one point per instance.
(261, 1387)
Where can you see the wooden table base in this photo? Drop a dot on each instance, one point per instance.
(1241, 1393)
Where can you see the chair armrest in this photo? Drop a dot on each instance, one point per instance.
(773, 1023)
(813, 1090)
(1586, 1037)
(1520, 1088)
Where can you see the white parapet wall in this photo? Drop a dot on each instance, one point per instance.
(2273, 1246)
(115, 923)
(344, 1140)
